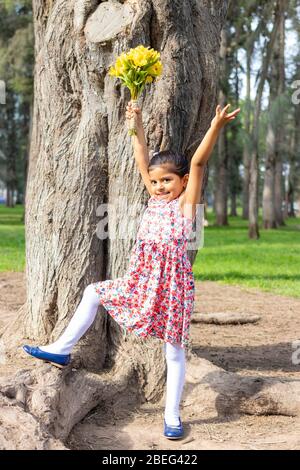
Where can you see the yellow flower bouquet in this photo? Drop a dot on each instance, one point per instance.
(136, 68)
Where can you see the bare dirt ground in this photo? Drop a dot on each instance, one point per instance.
(264, 349)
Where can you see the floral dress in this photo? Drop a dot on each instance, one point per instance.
(156, 295)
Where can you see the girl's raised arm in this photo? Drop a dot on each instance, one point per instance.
(141, 153)
(194, 186)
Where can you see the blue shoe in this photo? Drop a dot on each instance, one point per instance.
(58, 360)
(173, 432)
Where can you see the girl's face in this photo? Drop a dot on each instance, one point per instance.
(165, 184)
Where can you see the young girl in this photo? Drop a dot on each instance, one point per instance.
(156, 296)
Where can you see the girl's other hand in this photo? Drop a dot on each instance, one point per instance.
(134, 112)
(222, 118)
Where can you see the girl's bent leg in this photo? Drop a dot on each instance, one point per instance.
(80, 322)
(175, 357)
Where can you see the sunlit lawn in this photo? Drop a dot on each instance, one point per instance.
(12, 239)
(271, 263)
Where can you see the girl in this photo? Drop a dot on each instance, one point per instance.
(156, 296)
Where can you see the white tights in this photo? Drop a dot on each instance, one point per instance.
(83, 319)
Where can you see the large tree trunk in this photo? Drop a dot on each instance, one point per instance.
(81, 159)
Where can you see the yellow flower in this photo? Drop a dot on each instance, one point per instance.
(120, 66)
(141, 56)
(139, 59)
(112, 71)
(155, 69)
(154, 54)
(137, 67)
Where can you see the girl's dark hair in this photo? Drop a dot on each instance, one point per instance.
(177, 162)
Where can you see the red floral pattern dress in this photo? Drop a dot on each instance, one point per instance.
(156, 295)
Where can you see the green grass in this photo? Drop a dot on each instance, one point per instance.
(12, 239)
(271, 263)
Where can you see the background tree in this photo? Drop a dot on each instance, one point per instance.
(273, 182)
(226, 161)
(280, 63)
(293, 165)
(249, 20)
(247, 34)
(16, 69)
(254, 161)
(221, 179)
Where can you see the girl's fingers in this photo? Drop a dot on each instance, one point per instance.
(130, 108)
(131, 105)
(226, 107)
(131, 111)
(234, 113)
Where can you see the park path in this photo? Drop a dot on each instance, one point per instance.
(264, 348)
